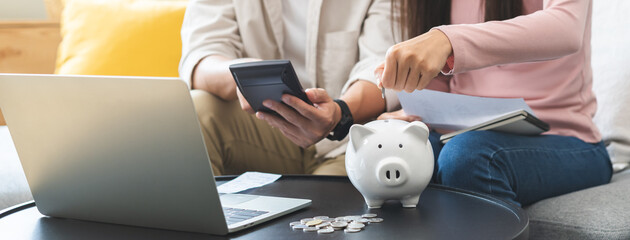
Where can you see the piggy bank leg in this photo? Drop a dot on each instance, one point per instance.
(410, 202)
(374, 203)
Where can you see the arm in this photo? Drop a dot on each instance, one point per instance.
(304, 124)
(376, 36)
(213, 75)
(555, 31)
(210, 43)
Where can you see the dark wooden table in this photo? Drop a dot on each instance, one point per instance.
(443, 213)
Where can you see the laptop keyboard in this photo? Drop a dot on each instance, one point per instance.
(235, 215)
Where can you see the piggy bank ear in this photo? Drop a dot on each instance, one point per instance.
(357, 134)
(417, 129)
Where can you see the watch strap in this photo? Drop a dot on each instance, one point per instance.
(343, 126)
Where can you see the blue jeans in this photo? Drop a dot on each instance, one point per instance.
(519, 169)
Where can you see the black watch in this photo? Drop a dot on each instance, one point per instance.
(343, 127)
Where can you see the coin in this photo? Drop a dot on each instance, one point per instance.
(363, 220)
(339, 224)
(326, 230)
(369, 215)
(356, 225)
(299, 226)
(305, 220)
(326, 225)
(323, 225)
(376, 220)
(313, 222)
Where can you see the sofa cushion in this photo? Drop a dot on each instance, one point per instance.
(611, 77)
(596, 213)
(120, 37)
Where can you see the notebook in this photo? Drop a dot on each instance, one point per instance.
(518, 122)
(124, 150)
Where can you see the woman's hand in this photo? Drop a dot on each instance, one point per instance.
(400, 115)
(302, 123)
(412, 64)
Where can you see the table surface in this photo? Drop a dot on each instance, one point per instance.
(443, 213)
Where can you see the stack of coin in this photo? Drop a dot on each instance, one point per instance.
(325, 224)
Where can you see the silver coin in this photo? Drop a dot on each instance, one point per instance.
(294, 223)
(305, 220)
(353, 217)
(321, 217)
(375, 220)
(352, 230)
(310, 229)
(323, 225)
(313, 222)
(356, 225)
(299, 227)
(339, 219)
(363, 220)
(325, 230)
(339, 224)
(369, 215)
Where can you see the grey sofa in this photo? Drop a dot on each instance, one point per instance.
(601, 212)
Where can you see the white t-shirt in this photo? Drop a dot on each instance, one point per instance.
(294, 19)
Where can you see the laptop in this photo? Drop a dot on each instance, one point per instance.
(123, 150)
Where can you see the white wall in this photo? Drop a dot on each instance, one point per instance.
(22, 10)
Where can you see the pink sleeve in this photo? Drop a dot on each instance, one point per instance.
(553, 32)
(440, 83)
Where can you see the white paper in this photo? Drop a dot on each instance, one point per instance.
(454, 111)
(248, 180)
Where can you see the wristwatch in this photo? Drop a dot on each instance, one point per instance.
(343, 126)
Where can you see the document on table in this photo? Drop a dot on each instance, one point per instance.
(246, 181)
(455, 111)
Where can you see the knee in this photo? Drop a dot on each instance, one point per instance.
(461, 157)
(208, 106)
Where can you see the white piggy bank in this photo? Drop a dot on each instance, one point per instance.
(390, 160)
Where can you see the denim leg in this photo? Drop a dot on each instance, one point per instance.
(436, 145)
(521, 169)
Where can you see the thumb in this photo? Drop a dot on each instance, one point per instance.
(317, 95)
(378, 74)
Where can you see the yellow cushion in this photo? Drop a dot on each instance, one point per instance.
(120, 37)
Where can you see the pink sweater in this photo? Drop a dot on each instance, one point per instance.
(543, 57)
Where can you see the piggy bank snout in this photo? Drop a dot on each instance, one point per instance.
(392, 172)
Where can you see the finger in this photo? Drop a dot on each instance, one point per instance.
(389, 71)
(426, 79)
(285, 111)
(304, 109)
(378, 74)
(401, 79)
(287, 129)
(276, 122)
(318, 95)
(244, 103)
(413, 80)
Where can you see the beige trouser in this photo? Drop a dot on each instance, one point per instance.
(239, 142)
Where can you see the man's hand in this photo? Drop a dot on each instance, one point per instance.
(244, 103)
(304, 125)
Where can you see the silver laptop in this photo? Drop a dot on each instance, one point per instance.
(125, 150)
